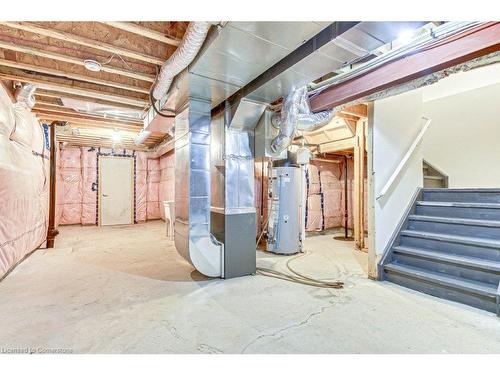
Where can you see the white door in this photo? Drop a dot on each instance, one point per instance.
(116, 190)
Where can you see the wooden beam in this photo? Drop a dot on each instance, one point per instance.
(59, 95)
(142, 31)
(72, 60)
(52, 232)
(358, 110)
(62, 110)
(359, 185)
(334, 146)
(77, 91)
(451, 51)
(351, 125)
(78, 77)
(80, 40)
(79, 120)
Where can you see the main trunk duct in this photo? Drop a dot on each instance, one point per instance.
(193, 239)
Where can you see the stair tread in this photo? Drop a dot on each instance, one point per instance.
(451, 258)
(455, 220)
(466, 190)
(430, 177)
(458, 204)
(468, 240)
(475, 287)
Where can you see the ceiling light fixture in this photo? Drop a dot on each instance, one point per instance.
(116, 136)
(92, 65)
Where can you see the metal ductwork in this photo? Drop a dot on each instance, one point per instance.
(26, 94)
(183, 56)
(296, 115)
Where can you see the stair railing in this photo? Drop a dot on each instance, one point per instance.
(405, 159)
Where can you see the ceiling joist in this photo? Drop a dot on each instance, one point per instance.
(78, 77)
(72, 60)
(142, 103)
(76, 39)
(142, 31)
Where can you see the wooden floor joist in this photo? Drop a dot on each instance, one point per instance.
(61, 110)
(78, 77)
(77, 91)
(79, 120)
(41, 93)
(76, 39)
(142, 31)
(73, 60)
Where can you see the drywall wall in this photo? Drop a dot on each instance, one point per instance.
(463, 139)
(396, 121)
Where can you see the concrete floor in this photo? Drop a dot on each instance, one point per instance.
(125, 290)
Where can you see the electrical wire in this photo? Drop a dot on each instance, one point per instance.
(298, 277)
(153, 105)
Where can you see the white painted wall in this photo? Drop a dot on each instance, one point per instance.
(463, 140)
(396, 122)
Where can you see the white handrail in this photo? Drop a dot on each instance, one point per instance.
(405, 159)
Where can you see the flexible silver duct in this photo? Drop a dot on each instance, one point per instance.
(184, 54)
(26, 94)
(296, 114)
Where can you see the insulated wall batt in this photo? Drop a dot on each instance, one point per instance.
(153, 185)
(166, 189)
(141, 174)
(23, 183)
(71, 179)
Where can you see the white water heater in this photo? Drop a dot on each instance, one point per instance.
(285, 210)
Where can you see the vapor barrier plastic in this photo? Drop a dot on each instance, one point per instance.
(24, 182)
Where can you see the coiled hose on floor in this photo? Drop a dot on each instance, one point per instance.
(298, 277)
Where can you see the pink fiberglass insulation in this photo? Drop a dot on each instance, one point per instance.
(314, 214)
(23, 183)
(71, 178)
(331, 187)
(152, 196)
(166, 189)
(313, 182)
(261, 194)
(141, 186)
(59, 190)
(89, 185)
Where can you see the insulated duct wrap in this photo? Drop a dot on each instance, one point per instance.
(296, 115)
(184, 54)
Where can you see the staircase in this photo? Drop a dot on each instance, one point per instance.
(433, 178)
(448, 245)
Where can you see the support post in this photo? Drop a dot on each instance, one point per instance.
(359, 185)
(52, 232)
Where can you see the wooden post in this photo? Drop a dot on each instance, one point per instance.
(359, 185)
(52, 232)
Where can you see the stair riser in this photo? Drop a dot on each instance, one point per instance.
(443, 292)
(455, 229)
(452, 248)
(460, 212)
(466, 272)
(465, 196)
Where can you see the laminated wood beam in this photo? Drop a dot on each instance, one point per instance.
(454, 50)
(73, 60)
(78, 77)
(80, 40)
(142, 31)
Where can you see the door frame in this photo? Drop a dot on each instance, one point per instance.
(99, 184)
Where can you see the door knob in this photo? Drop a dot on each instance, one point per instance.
(105, 195)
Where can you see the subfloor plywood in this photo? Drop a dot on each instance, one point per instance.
(125, 290)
